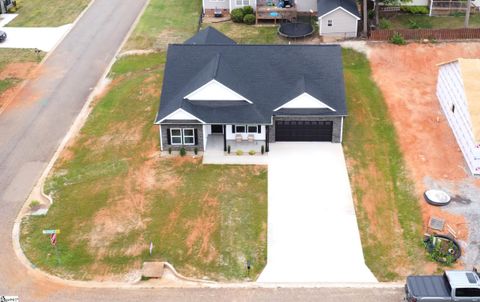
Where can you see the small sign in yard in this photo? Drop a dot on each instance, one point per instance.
(53, 239)
(50, 232)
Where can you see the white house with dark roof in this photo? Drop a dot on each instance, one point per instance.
(250, 94)
(458, 92)
(335, 17)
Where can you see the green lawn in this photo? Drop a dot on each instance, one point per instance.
(38, 13)
(8, 83)
(387, 210)
(114, 195)
(164, 22)
(248, 34)
(423, 21)
(14, 55)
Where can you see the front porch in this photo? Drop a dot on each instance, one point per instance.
(215, 154)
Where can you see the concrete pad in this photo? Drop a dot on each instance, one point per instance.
(43, 38)
(6, 18)
(312, 227)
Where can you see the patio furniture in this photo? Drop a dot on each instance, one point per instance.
(238, 138)
(250, 138)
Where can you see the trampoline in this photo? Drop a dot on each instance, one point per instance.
(295, 30)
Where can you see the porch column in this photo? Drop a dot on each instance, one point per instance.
(267, 138)
(224, 138)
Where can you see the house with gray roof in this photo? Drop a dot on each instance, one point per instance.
(250, 94)
(338, 18)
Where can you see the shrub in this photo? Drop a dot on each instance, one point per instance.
(385, 24)
(170, 150)
(249, 19)
(457, 14)
(195, 150)
(228, 149)
(34, 204)
(183, 152)
(415, 9)
(262, 150)
(239, 152)
(415, 24)
(397, 39)
(247, 10)
(237, 15)
(412, 24)
(252, 152)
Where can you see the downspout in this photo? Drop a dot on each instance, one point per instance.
(341, 131)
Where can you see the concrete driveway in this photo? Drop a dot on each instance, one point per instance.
(312, 227)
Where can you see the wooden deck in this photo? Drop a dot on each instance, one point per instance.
(274, 13)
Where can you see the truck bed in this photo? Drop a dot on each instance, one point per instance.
(429, 286)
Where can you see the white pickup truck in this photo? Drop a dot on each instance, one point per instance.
(451, 286)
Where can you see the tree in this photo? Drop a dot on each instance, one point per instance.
(365, 18)
(467, 13)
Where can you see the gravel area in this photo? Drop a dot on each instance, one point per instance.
(465, 202)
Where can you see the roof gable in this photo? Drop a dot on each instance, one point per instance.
(180, 115)
(215, 91)
(325, 7)
(210, 35)
(304, 101)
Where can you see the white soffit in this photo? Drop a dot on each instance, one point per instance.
(304, 101)
(180, 114)
(215, 91)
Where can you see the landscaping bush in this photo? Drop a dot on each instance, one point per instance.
(262, 149)
(417, 10)
(252, 152)
(249, 19)
(416, 24)
(183, 152)
(239, 152)
(385, 24)
(195, 150)
(34, 204)
(228, 149)
(247, 10)
(397, 39)
(237, 15)
(169, 150)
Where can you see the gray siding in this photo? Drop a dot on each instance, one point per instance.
(304, 6)
(337, 125)
(199, 143)
(212, 4)
(343, 24)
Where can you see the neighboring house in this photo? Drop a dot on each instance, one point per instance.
(250, 93)
(338, 18)
(458, 91)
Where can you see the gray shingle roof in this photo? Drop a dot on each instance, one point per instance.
(325, 6)
(209, 35)
(267, 75)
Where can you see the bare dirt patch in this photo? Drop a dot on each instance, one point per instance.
(19, 70)
(407, 77)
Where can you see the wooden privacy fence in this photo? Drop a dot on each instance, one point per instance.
(420, 34)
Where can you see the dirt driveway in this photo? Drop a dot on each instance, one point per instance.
(407, 77)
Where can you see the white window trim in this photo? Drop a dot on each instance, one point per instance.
(329, 22)
(172, 136)
(246, 129)
(192, 136)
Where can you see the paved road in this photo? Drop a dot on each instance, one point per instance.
(32, 128)
(310, 207)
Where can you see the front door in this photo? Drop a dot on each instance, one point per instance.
(217, 129)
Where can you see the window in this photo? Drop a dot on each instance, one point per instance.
(240, 129)
(467, 292)
(188, 136)
(453, 108)
(246, 129)
(329, 22)
(242, 2)
(176, 136)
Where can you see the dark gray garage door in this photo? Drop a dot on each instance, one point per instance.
(303, 131)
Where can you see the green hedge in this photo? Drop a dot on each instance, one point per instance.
(418, 10)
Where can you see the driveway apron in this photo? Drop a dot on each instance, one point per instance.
(312, 227)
